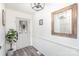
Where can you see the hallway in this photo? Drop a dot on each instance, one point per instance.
(50, 31)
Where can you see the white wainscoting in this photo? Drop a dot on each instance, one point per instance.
(52, 48)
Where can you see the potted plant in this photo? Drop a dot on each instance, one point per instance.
(11, 37)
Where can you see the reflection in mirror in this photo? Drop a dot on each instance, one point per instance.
(63, 22)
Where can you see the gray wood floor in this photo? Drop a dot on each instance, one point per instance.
(27, 51)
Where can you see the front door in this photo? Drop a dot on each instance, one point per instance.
(23, 33)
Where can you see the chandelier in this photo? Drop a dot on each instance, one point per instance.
(37, 6)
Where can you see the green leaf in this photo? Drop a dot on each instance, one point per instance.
(11, 35)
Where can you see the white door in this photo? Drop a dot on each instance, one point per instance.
(22, 25)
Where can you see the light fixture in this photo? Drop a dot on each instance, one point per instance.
(38, 6)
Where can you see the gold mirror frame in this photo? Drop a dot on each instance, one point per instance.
(73, 18)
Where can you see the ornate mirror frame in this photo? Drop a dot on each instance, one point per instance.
(74, 12)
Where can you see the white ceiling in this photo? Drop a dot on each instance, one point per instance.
(23, 7)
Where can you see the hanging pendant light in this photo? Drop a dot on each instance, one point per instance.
(37, 6)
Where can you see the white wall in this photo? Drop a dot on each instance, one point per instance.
(2, 33)
(11, 23)
(50, 44)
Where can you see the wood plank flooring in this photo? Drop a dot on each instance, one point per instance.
(27, 51)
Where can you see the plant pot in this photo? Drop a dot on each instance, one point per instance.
(10, 52)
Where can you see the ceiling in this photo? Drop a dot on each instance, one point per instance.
(23, 7)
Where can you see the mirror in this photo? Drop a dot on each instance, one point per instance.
(64, 21)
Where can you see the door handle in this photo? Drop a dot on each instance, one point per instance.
(0, 47)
